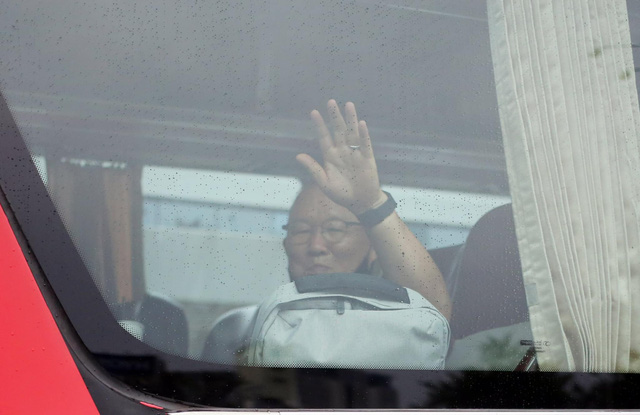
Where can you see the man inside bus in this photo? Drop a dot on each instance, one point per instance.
(342, 223)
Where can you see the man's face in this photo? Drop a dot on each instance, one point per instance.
(319, 254)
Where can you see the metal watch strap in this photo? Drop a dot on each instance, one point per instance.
(372, 217)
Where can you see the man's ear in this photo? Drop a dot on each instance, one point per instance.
(284, 245)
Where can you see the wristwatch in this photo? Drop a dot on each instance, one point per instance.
(372, 217)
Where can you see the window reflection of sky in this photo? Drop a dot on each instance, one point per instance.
(164, 213)
(238, 84)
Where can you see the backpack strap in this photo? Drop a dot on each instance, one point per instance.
(361, 285)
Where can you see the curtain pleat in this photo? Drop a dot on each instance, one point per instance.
(569, 114)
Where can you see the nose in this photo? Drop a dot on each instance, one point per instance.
(317, 245)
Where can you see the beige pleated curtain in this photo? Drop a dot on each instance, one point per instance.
(570, 122)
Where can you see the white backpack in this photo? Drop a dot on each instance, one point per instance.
(348, 321)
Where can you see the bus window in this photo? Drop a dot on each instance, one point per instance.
(455, 173)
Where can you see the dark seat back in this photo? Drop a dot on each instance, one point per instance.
(165, 324)
(487, 288)
(229, 335)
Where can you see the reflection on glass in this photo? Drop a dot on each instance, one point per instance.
(176, 142)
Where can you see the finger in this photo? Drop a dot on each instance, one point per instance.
(337, 123)
(314, 168)
(365, 141)
(351, 119)
(324, 136)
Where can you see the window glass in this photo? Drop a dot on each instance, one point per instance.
(167, 133)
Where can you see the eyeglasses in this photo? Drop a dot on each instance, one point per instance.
(333, 231)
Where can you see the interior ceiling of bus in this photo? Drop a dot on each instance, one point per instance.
(228, 85)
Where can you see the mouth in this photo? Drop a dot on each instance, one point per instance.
(318, 269)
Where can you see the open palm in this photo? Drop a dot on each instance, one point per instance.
(349, 175)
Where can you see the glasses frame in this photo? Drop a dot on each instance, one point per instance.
(321, 226)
